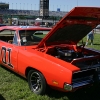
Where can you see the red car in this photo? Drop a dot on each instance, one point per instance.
(56, 60)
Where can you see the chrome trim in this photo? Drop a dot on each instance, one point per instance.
(82, 83)
(83, 57)
(85, 80)
(68, 87)
(86, 69)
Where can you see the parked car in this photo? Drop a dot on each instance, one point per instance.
(55, 60)
(2, 25)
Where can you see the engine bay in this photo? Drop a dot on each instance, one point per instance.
(68, 53)
(77, 55)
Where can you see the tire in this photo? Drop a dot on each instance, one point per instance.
(37, 82)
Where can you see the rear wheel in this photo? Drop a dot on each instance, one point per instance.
(37, 82)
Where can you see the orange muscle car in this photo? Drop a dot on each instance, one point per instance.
(55, 60)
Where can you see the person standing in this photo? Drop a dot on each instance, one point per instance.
(90, 36)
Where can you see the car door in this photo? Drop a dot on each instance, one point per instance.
(9, 50)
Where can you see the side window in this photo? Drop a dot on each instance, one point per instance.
(15, 40)
(7, 35)
(32, 37)
(40, 34)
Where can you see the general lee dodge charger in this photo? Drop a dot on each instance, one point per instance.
(57, 60)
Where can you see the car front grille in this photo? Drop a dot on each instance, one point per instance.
(83, 73)
(83, 78)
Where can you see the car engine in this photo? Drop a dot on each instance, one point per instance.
(68, 55)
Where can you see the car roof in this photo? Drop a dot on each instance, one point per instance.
(24, 28)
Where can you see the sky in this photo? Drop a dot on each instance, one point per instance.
(64, 5)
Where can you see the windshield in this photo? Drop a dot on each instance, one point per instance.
(32, 37)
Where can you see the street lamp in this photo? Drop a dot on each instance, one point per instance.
(27, 6)
(77, 2)
(20, 6)
(16, 6)
(31, 9)
(12, 5)
(23, 6)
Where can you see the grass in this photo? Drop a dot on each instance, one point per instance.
(14, 87)
(96, 42)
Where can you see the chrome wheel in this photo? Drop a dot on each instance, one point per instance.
(36, 82)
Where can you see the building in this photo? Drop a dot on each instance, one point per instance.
(43, 13)
(44, 8)
(4, 5)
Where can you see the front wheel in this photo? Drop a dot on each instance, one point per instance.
(37, 82)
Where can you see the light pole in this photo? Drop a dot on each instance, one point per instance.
(27, 6)
(35, 7)
(16, 6)
(67, 7)
(23, 6)
(12, 5)
(20, 6)
(77, 2)
(64, 8)
(31, 9)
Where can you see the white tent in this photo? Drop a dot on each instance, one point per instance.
(38, 19)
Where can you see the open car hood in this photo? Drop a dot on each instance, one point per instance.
(73, 26)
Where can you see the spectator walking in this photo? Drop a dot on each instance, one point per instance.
(90, 36)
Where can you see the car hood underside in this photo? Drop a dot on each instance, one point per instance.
(73, 26)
